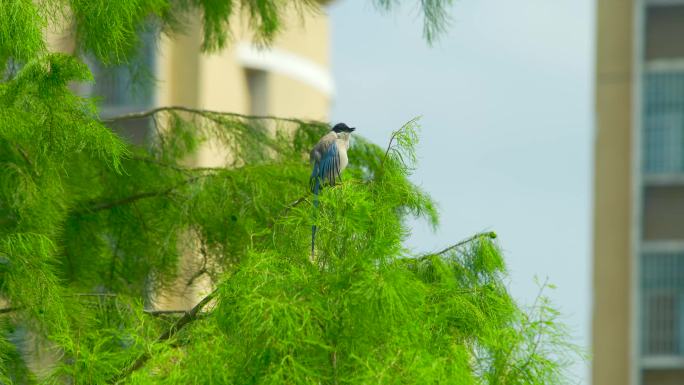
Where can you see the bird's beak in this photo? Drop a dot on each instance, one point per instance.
(352, 129)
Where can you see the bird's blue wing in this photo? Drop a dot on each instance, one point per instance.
(327, 168)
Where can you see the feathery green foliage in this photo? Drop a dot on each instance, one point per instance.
(21, 36)
(95, 231)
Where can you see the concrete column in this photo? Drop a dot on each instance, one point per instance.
(611, 329)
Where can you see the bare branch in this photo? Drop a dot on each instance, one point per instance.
(293, 204)
(24, 155)
(187, 318)
(490, 235)
(203, 270)
(132, 198)
(154, 111)
(287, 209)
(163, 312)
(537, 340)
(389, 145)
(541, 323)
(173, 166)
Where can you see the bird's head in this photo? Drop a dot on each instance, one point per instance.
(340, 128)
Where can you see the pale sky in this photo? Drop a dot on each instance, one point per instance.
(507, 103)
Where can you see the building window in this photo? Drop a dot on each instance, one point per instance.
(123, 89)
(257, 86)
(662, 284)
(663, 213)
(664, 120)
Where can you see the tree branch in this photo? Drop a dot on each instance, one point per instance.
(163, 312)
(394, 136)
(490, 235)
(293, 205)
(173, 166)
(203, 270)
(539, 333)
(94, 206)
(136, 197)
(389, 145)
(187, 317)
(286, 210)
(24, 155)
(91, 295)
(153, 111)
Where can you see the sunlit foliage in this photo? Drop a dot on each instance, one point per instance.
(93, 229)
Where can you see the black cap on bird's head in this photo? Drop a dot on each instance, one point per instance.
(341, 127)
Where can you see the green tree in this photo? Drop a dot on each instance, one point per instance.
(92, 226)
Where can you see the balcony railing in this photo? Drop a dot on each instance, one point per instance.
(662, 303)
(663, 138)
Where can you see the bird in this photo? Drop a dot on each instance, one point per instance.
(328, 158)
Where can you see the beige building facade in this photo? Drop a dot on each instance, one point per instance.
(638, 308)
(291, 78)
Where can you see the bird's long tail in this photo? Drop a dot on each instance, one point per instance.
(316, 188)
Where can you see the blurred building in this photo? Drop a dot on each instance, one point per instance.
(638, 309)
(290, 78)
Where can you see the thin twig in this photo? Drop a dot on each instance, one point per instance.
(203, 270)
(8, 309)
(490, 235)
(389, 145)
(541, 325)
(299, 200)
(187, 317)
(293, 205)
(333, 359)
(538, 337)
(214, 116)
(136, 197)
(163, 312)
(133, 198)
(24, 155)
(287, 209)
(32, 169)
(91, 295)
(173, 166)
(198, 274)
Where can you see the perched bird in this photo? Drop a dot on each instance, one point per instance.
(328, 158)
